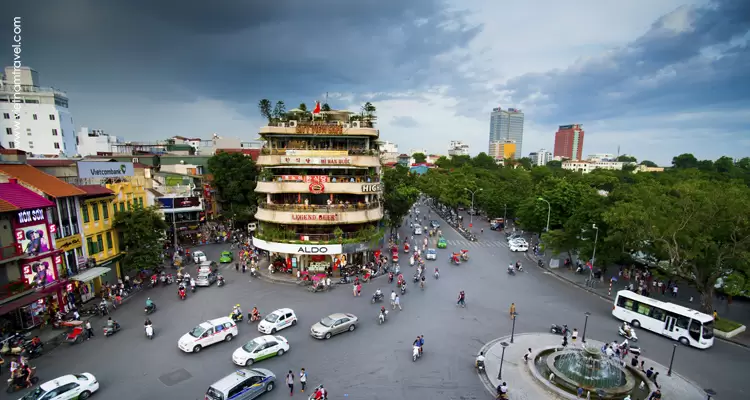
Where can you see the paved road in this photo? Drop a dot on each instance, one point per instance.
(374, 361)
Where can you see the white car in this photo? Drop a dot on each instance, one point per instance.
(431, 254)
(277, 320)
(207, 333)
(417, 231)
(259, 349)
(199, 257)
(518, 240)
(519, 246)
(73, 386)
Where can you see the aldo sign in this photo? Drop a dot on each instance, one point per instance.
(286, 248)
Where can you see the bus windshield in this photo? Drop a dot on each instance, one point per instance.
(708, 330)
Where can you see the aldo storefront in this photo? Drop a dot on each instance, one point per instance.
(33, 279)
(303, 257)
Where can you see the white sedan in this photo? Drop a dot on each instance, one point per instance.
(199, 257)
(73, 386)
(519, 246)
(259, 349)
(431, 254)
(417, 231)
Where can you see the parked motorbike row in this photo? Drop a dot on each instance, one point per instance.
(20, 344)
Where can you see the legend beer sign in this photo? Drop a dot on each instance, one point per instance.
(314, 217)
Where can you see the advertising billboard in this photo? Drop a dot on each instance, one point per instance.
(33, 239)
(101, 169)
(179, 202)
(41, 272)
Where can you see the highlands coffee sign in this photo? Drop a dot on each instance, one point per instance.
(286, 248)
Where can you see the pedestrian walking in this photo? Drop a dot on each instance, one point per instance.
(393, 299)
(303, 379)
(512, 309)
(574, 335)
(354, 290)
(397, 303)
(290, 382)
(359, 289)
(674, 290)
(461, 299)
(89, 330)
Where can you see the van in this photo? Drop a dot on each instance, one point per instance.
(243, 384)
(207, 333)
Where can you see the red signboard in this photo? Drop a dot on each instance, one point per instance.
(316, 188)
(314, 217)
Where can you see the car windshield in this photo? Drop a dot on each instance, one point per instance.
(708, 330)
(226, 253)
(197, 331)
(250, 346)
(327, 322)
(198, 253)
(214, 394)
(430, 251)
(203, 276)
(34, 394)
(272, 317)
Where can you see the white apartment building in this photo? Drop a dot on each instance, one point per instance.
(458, 148)
(588, 166)
(34, 119)
(601, 157)
(541, 157)
(95, 141)
(387, 147)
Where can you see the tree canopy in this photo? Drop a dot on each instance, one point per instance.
(690, 220)
(142, 232)
(234, 177)
(419, 157)
(399, 194)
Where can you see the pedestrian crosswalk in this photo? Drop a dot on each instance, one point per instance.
(466, 244)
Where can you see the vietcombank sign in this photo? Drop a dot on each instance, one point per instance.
(97, 169)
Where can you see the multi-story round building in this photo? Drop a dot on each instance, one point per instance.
(320, 192)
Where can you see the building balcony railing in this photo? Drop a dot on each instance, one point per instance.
(344, 185)
(321, 238)
(320, 158)
(8, 253)
(327, 179)
(15, 289)
(336, 214)
(311, 151)
(321, 128)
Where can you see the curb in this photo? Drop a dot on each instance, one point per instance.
(263, 277)
(610, 299)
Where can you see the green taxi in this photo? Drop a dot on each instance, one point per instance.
(441, 244)
(226, 257)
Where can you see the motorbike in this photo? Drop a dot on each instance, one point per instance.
(411, 261)
(150, 310)
(169, 280)
(182, 294)
(236, 317)
(416, 278)
(382, 317)
(31, 351)
(540, 263)
(437, 275)
(376, 297)
(511, 271)
(415, 353)
(220, 282)
(11, 348)
(479, 364)
(251, 319)
(315, 390)
(12, 387)
(397, 270)
(632, 337)
(403, 289)
(192, 288)
(111, 330)
(149, 331)
(455, 259)
(465, 255)
(560, 330)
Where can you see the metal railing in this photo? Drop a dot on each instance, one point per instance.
(351, 152)
(11, 251)
(331, 178)
(306, 121)
(319, 208)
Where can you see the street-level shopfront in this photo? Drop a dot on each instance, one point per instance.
(318, 258)
(91, 276)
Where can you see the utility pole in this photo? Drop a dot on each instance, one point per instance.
(505, 216)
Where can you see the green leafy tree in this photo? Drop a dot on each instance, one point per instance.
(325, 107)
(484, 161)
(302, 107)
(368, 111)
(684, 161)
(650, 164)
(419, 158)
(626, 158)
(234, 177)
(554, 164)
(265, 109)
(399, 194)
(525, 162)
(142, 232)
(279, 111)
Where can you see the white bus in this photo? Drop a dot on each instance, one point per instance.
(688, 326)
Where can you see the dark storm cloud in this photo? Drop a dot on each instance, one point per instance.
(240, 50)
(663, 70)
(404, 121)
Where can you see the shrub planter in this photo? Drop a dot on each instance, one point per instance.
(731, 334)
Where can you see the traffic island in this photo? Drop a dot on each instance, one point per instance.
(556, 372)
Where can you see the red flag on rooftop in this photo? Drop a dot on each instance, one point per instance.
(316, 110)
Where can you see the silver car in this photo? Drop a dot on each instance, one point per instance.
(243, 384)
(205, 279)
(333, 325)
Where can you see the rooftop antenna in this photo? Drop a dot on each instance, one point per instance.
(618, 150)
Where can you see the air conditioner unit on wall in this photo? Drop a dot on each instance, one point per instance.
(356, 124)
(347, 125)
(282, 124)
(293, 124)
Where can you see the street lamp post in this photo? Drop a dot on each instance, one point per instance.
(596, 239)
(585, 324)
(471, 214)
(549, 211)
(513, 329)
(502, 358)
(669, 372)
(505, 216)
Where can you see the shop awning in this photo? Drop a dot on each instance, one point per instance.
(23, 301)
(90, 274)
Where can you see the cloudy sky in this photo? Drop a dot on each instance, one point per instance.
(656, 78)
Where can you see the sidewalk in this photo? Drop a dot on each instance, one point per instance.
(738, 311)
(523, 385)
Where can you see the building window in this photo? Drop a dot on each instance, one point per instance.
(9, 131)
(28, 131)
(95, 209)
(129, 206)
(52, 117)
(57, 145)
(31, 145)
(11, 145)
(122, 207)
(54, 132)
(140, 201)
(34, 116)
(6, 115)
(100, 243)
(85, 213)
(91, 246)
(105, 210)
(109, 240)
